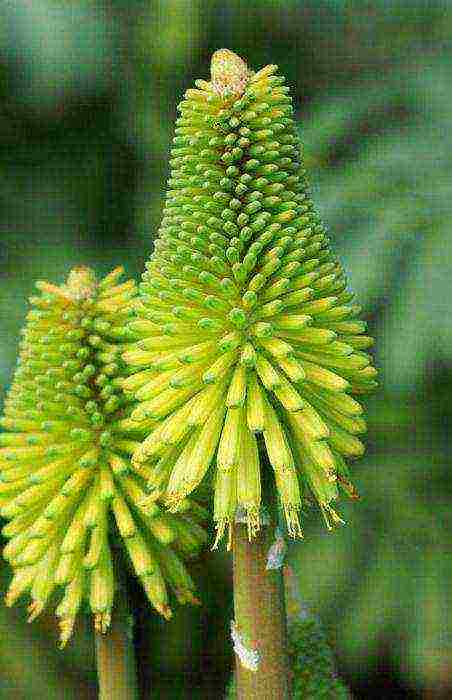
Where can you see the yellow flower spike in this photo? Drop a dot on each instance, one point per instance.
(67, 483)
(243, 290)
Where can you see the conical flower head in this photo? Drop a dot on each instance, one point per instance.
(250, 337)
(67, 485)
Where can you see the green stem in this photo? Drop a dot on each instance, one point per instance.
(115, 656)
(260, 618)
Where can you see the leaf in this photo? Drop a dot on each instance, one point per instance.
(389, 207)
(385, 578)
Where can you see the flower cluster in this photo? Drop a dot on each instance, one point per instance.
(250, 343)
(67, 484)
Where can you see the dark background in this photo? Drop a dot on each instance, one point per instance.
(88, 95)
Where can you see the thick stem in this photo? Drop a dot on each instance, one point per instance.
(115, 655)
(260, 618)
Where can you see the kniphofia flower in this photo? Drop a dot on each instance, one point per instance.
(251, 349)
(67, 484)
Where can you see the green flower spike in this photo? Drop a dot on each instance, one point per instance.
(250, 337)
(67, 485)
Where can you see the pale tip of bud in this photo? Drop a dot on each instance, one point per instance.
(229, 73)
(81, 283)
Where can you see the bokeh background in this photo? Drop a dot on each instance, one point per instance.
(88, 94)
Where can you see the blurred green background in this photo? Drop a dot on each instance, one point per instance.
(88, 95)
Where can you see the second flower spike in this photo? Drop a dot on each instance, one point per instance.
(67, 484)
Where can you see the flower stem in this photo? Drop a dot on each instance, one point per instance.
(260, 618)
(115, 657)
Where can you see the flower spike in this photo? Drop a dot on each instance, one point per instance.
(67, 485)
(250, 341)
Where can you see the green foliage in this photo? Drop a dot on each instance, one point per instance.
(389, 206)
(387, 575)
(311, 663)
(63, 49)
(380, 160)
